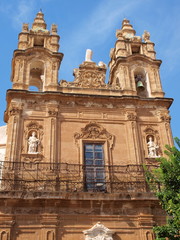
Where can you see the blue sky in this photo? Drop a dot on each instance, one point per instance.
(92, 24)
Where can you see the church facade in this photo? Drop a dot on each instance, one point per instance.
(75, 151)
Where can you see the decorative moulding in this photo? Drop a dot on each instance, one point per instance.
(94, 131)
(98, 232)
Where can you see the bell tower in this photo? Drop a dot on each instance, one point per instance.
(37, 60)
(133, 64)
(78, 148)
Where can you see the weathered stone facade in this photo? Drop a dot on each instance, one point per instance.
(74, 152)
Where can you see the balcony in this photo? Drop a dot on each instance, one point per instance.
(57, 178)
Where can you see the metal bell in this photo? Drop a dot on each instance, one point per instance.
(140, 85)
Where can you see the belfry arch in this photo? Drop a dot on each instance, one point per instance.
(36, 74)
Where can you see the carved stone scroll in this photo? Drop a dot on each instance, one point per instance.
(94, 131)
(98, 232)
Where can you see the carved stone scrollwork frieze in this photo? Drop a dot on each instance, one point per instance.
(94, 131)
(90, 75)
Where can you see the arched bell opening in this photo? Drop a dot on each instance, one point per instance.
(141, 82)
(36, 76)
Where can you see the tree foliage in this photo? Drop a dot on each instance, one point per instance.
(165, 182)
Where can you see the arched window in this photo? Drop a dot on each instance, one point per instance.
(141, 82)
(36, 76)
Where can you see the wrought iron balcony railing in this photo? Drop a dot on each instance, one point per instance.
(63, 177)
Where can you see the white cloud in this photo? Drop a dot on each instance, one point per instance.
(18, 11)
(95, 30)
(23, 12)
(103, 19)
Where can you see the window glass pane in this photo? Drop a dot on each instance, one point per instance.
(98, 147)
(88, 147)
(99, 174)
(89, 155)
(99, 162)
(89, 162)
(98, 155)
(90, 173)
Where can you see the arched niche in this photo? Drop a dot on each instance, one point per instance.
(142, 82)
(30, 128)
(50, 235)
(4, 235)
(36, 77)
(152, 143)
(149, 236)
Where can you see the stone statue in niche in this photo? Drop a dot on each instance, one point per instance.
(33, 143)
(152, 148)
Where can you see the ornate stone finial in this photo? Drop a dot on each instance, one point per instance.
(127, 29)
(146, 36)
(102, 64)
(39, 22)
(54, 29)
(25, 27)
(88, 57)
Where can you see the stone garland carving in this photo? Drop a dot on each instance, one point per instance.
(98, 232)
(94, 131)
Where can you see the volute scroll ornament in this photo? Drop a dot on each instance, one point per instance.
(98, 232)
(94, 131)
(15, 109)
(132, 116)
